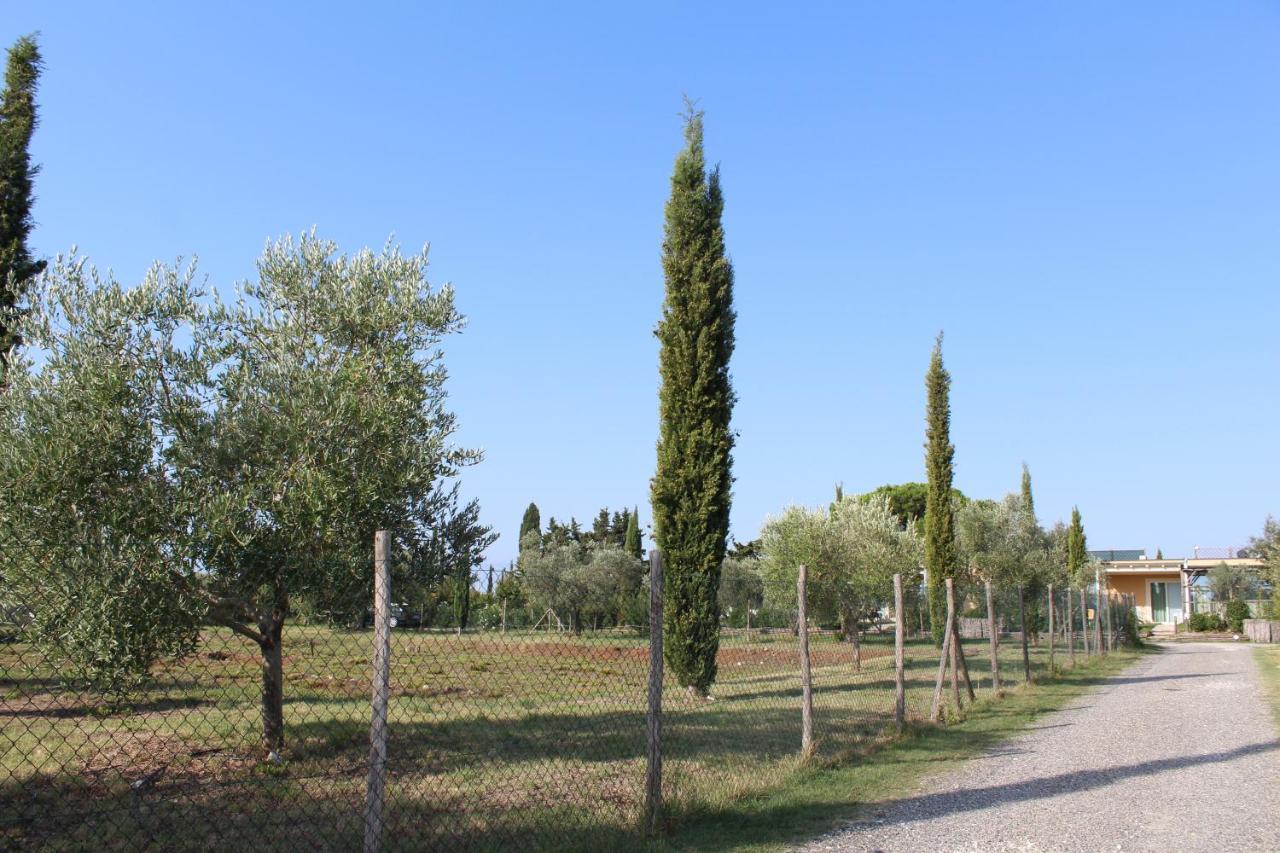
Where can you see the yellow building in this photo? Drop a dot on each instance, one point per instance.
(1165, 591)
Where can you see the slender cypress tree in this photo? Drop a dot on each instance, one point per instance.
(631, 542)
(939, 515)
(691, 487)
(531, 523)
(1077, 556)
(17, 175)
(1028, 501)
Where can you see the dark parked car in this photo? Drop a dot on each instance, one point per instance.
(401, 617)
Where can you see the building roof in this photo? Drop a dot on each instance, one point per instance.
(1122, 554)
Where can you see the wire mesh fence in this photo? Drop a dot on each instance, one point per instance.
(527, 734)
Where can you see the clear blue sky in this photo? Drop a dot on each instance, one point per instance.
(1085, 196)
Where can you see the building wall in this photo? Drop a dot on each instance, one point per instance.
(1139, 586)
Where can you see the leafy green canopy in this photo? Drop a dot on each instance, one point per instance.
(234, 457)
(851, 550)
(691, 487)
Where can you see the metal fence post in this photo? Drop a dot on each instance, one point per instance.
(806, 675)
(653, 770)
(376, 789)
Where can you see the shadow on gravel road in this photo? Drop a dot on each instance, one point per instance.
(951, 802)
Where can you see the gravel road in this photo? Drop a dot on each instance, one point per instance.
(1179, 752)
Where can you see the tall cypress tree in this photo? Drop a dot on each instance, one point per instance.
(1028, 501)
(1077, 555)
(17, 175)
(531, 523)
(631, 541)
(691, 487)
(939, 515)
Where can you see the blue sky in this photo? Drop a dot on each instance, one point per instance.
(1085, 196)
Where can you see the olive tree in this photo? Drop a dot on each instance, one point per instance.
(851, 549)
(87, 481)
(262, 442)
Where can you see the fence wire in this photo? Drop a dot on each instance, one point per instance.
(531, 736)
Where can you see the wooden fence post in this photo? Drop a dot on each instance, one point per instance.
(653, 755)
(1084, 621)
(957, 648)
(806, 676)
(899, 655)
(1022, 615)
(1071, 629)
(376, 789)
(1111, 628)
(994, 631)
(936, 708)
(1050, 629)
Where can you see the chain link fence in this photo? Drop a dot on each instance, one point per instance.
(523, 735)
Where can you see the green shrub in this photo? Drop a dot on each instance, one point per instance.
(1237, 612)
(1206, 622)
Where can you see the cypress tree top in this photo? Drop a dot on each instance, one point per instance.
(631, 541)
(1028, 502)
(1077, 555)
(531, 523)
(17, 176)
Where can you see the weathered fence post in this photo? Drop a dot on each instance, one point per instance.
(1084, 621)
(957, 649)
(994, 631)
(936, 708)
(1022, 616)
(1111, 628)
(375, 791)
(899, 655)
(1050, 629)
(1071, 629)
(653, 769)
(806, 676)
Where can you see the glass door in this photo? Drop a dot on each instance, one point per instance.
(1159, 603)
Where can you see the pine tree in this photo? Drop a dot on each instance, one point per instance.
(17, 175)
(631, 542)
(939, 515)
(691, 487)
(531, 523)
(600, 527)
(1159, 554)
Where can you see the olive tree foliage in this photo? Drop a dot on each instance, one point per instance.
(87, 477)
(578, 581)
(1232, 583)
(741, 589)
(1000, 541)
(276, 433)
(851, 550)
(1266, 547)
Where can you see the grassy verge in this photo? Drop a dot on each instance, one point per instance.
(821, 797)
(1268, 658)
